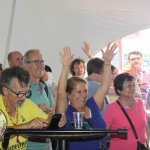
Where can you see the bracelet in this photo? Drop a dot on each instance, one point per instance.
(91, 56)
(107, 64)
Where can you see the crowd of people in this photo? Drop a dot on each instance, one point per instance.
(29, 97)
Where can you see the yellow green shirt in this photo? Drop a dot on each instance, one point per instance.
(26, 113)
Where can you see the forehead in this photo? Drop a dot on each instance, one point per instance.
(115, 70)
(16, 55)
(78, 64)
(16, 85)
(135, 56)
(126, 82)
(80, 85)
(36, 56)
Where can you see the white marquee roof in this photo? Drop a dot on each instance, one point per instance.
(49, 25)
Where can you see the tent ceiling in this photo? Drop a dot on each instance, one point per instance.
(49, 25)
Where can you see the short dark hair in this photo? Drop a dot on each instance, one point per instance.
(76, 61)
(120, 79)
(113, 68)
(48, 68)
(1, 68)
(15, 72)
(134, 52)
(95, 65)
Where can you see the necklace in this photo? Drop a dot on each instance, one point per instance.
(9, 114)
(17, 139)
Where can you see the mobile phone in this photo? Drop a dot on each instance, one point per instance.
(54, 121)
(85, 125)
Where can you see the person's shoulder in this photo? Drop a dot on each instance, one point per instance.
(138, 100)
(92, 81)
(29, 102)
(112, 104)
(146, 74)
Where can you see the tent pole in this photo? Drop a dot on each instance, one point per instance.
(9, 32)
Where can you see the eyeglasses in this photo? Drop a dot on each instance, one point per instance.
(20, 95)
(37, 62)
(137, 58)
(114, 74)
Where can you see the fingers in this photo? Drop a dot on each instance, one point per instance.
(112, 48)
(66, 50)
(62, 121)
(50, 111)
(38, 123)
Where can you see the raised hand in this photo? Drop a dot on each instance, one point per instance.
(86, 48)
(66, 58)
(109, 53)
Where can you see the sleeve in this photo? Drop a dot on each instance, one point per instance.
(144, 107)
(108, 115)
(35, 111)
(53, 89)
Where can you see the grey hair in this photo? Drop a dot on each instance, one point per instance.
(26, 57)
(9, 74)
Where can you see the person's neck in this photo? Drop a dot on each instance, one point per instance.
(10, 108)
(79, 109)
(127, 101)
(36, 81)
(92, 77)
(81, 76)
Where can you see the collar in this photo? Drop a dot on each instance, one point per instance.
(125, 107)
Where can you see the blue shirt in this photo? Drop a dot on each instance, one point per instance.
(39, 98)
(96, 120)
(92, 88)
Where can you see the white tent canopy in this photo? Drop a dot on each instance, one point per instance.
(49, 25)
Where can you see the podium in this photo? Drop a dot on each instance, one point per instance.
(63, 135)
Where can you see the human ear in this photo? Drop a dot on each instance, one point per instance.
(5, 91)
(26, 65)
(68, 96)
(119, 91)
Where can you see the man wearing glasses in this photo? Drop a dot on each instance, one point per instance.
(21, 113)
(33, 62)
(135, 67)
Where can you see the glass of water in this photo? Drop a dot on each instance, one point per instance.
(78, 120)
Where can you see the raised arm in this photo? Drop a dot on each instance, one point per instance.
(101, 92)
(62, 103)
(86, 50)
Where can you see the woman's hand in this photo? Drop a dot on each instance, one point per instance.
(109, 53)
(66, 58)
(62, 121)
